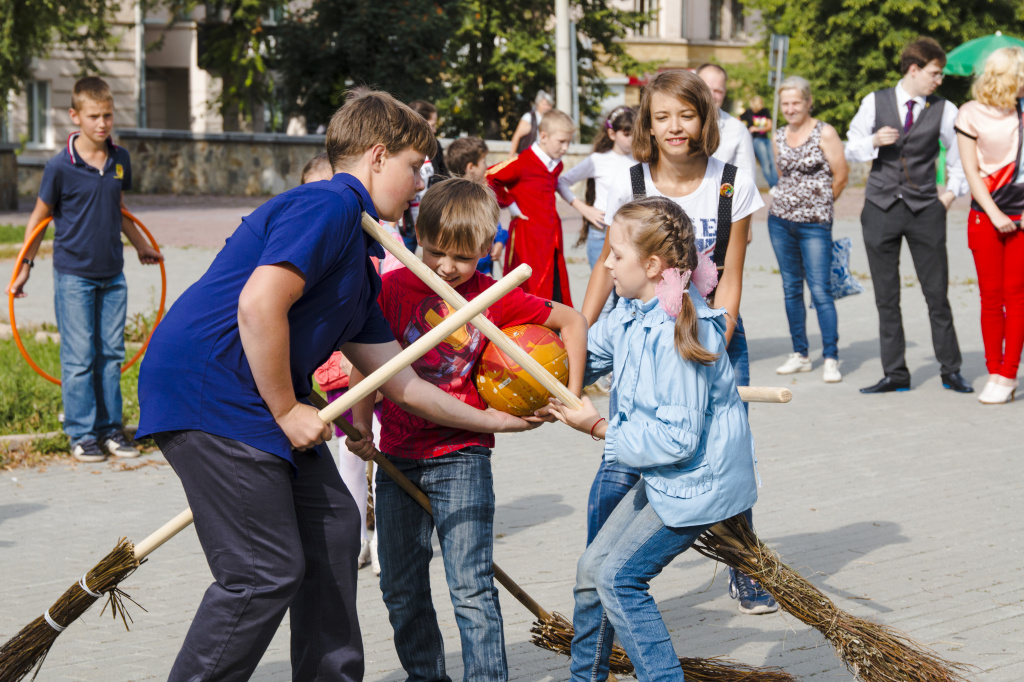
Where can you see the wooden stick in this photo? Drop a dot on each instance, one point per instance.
(165, 533)
(413, 352)
(765, 394)
(455, 300)
(498, 337)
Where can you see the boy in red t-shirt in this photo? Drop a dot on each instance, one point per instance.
(535, 235)
(456, 227)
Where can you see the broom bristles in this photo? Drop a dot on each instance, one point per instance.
(871, 651)
(555, 634)
(26, 651)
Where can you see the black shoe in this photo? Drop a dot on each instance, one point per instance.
(887, 385)
(956, 382)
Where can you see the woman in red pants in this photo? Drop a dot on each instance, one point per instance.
(990, 131)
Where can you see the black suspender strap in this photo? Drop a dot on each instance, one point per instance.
(636, 179)
(724, 214)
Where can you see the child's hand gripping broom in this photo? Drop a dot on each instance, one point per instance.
(871, 651)
(27, 650)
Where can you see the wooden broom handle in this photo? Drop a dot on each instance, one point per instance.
(415, 493)
(471, 312)
(455, 300)
(501, 340)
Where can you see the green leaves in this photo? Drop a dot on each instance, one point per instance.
(849, 48)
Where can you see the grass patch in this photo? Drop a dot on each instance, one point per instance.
(30, 404)
(12, 234)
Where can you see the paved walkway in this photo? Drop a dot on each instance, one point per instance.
(903, 508)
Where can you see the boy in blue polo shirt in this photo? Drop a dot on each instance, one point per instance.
(82, 189)
(223, 392)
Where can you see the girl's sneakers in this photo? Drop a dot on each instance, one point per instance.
(753, 598)
(831, 373)
(793, 364)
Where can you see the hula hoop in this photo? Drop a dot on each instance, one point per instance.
(10, 298)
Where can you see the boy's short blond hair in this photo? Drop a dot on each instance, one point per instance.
(90, 88)
(459, 215)
(315, 166)
(556, 121)
(369, 118)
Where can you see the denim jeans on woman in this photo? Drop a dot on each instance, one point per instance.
(612, 598)
(613, 481)
(90, 316)
(765, 157)
(461, 494)
(804, 251)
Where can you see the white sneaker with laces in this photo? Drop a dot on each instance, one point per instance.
(793, 364)
(831, 373)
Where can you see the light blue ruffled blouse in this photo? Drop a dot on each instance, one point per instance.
(681, 423)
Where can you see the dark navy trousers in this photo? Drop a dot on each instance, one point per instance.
(275, 541)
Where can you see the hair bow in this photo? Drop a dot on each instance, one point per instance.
(674, 282)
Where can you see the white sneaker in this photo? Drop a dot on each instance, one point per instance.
(364, 554)
(831, 373)
(374, 561)
(793, 364)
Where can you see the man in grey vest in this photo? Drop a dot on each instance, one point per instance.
(898, 129)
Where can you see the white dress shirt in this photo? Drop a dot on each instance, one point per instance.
(735, 145)
(548, 162)
(859, 146)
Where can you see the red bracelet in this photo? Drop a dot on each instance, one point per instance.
(594, 427)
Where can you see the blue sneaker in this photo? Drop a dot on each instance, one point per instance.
(753, 599)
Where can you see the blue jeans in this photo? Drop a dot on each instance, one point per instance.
(804, 250)
(461, 494)
(612, 579)
(613, 481)
(595, 244)
(765, 157)
(90, 316)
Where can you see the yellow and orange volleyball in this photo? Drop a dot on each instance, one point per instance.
(506, 386)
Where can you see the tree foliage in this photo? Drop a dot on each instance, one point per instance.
(31, 28)
(849, 48)
(504, 52)
(395, 45)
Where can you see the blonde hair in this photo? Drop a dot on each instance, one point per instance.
(369, 118)
(460, 215)
(90, 88)
(659, 227)
(556, 121)
(1001, 81)
(798, 83)
(317, 168)
(686, 87)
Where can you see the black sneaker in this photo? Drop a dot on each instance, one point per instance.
(87, 450)
(117, 445)
(752, 597)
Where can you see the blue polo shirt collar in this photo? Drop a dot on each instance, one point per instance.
(77, 160)
(342, 181)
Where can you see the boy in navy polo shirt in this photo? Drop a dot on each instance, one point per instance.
(82, 189)
(223, 391)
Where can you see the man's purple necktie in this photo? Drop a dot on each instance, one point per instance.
(909, 120)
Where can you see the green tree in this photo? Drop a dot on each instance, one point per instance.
(394, 45)
(504, 52)
(849, 48)
(236, 43)
(31, 28)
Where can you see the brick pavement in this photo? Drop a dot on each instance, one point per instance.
(903, 508)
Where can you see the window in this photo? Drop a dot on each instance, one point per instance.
(738, 28)
(716, 19)
(646, 6)
(683, 9)
(39, 133)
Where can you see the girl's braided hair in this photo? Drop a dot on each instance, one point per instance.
(659, 227)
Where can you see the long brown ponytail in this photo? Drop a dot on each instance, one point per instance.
(659, 227)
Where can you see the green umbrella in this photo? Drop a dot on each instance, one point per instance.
(970, 57)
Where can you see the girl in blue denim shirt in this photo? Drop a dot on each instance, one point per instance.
(678, 419)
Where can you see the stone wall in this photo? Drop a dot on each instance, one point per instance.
(245, 164)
